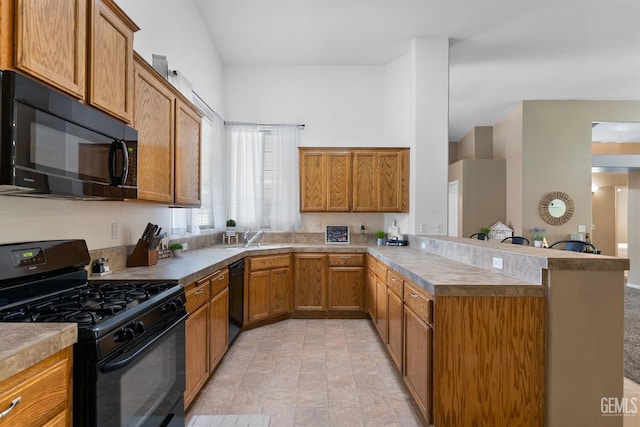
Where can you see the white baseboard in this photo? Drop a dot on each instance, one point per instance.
(631, 285)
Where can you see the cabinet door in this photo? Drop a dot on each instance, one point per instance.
(310, 282)
(391, 175)
(50, 42)
(338, 181)
(370, 295)
(395, 323)
(346, 288)
(364, 181)
(197, 352)
(111, 62)
(187, 156)
(313, 182)
(153, 117)
(418, 356)
(218, 328)
(280, 292)
(381, 308)
(259, 295)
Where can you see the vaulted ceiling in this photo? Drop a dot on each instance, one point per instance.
(501, 52)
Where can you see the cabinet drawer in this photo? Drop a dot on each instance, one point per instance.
(268, 262)
(42, 395)
(418, 302)
(197, 294)
(394, 282)
(346, 260)
(219, 281)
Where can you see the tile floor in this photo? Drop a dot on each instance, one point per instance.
(320, 372)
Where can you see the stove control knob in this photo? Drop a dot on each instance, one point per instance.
(124, 335)
(138, 327)
(172, 306)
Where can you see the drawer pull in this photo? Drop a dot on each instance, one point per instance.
(14, 403)
(199, 291)
(393, 279)
(413, 295)
(345, 257)
(221, 278)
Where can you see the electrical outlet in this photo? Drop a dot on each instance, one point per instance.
(423, 228)
(439, 228)
(317, 226)
(582, 228)
(185, 246)
(497, 263)
(423, 245)
(115, 231)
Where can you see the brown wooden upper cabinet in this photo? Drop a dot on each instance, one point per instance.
(354, 179)
(83, 48)
(168, 140)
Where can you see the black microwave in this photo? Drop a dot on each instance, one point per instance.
(52, 145)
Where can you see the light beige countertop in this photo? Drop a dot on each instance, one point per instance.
(25, 344)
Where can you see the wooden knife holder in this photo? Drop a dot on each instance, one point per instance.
(142, 256)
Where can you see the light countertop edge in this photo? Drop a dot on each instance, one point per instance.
(25, 344)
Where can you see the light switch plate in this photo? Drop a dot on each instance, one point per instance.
(582, 228)
(497, 263)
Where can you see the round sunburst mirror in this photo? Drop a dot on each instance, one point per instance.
(556, 208)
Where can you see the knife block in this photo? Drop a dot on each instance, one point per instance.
(142, 256)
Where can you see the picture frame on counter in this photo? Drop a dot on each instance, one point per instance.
(337, 234)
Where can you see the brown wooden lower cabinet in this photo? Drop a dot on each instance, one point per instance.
(45, 390)
(196, 352)
(310, 284)
(218, 318)
(380, 318)
(395, 328)
(418, 351)
(269, 287)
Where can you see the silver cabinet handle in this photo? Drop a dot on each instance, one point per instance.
(199, 291)
(393, 279)
(413, 295)
(14, 403)
(221, 278)
(345, 257)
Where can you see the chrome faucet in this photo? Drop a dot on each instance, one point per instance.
(247, 242)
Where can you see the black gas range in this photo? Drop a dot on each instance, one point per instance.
(129, 358)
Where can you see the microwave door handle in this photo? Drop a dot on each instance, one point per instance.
(113, 153)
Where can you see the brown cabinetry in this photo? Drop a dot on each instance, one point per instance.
(45, 392)
(360, 180)
(269, 287)
(418, 347)
(218, 317)
(325, 180)
(329, 282)
(395, 318)
(196, 339)
(82, 48)
(380, 180)
(168, 140)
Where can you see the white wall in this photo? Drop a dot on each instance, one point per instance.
(175, 29)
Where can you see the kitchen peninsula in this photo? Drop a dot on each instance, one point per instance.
(538, 342)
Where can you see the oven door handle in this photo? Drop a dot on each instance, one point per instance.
(121, 363)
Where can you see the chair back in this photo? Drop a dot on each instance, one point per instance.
(517, 240)
(480, 236)
(574, 245)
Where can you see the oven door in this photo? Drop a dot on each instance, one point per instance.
(145, 385)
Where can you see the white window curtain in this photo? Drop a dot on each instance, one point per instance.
(245, 160)
(214, 173)
(285, 210)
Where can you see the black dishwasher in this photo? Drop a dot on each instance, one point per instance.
(236, 292)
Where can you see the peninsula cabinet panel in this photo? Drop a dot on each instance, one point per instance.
(498, 338)
(50, 42)
(111, 60)
(187, 155)
(310, 282)
(154, 119)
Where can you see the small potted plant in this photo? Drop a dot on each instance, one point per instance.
(379, 237)
(538, 236)
(231, 227)
(176, 249)
(485, 230)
